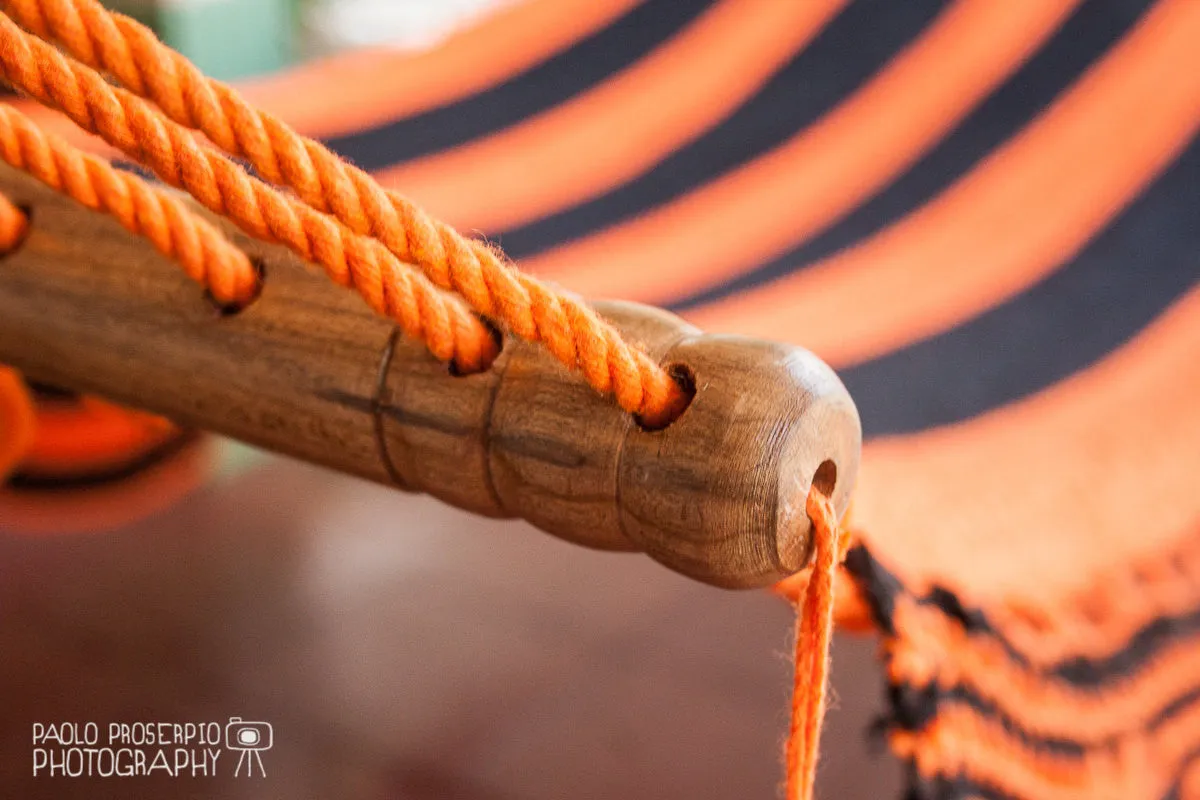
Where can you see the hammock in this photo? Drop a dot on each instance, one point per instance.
(981, 214)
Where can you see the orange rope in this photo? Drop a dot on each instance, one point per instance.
(814, 633)
(201, 249)
(205, 254)
(133, 55)
(133, 126)
(338, 207)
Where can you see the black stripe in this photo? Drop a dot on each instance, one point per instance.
(548, 83)
(1083, 38)
(1178, 706)
(851, 48)
(958, 787)
(1125, 278)
(946, 787)
(1149, 640)
(1176, 790)
(913, 708)
(882, 588)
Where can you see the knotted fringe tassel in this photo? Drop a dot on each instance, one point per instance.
(814, 632)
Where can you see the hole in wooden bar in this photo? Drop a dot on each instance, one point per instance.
(685, 379)
(18, 233)
(825, 478)
(232, 309)
(497, 337)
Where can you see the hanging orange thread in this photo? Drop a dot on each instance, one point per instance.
(203, 252)
(814, 634)
(570, 330)
(851, 609)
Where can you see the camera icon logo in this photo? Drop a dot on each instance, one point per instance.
(251, 739)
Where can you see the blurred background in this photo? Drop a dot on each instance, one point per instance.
(231, 39)
(402, 649)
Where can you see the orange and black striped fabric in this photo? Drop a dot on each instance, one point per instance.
(985, 214)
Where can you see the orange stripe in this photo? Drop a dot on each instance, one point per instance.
(1100, 621)
(92, 436)
(1019, 215)
(622, 127)
(365, 88)
(1189, 785)
(933, 648)
(1033, 500)
(1142, 765)
(109, 506)
(766, 206)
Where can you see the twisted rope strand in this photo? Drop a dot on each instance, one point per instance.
(204, 253)
(173, 153)
(570, 330)
(360, 208)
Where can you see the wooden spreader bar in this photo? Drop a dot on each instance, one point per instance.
(308, 370)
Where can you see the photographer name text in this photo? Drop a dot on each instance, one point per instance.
(138, 749)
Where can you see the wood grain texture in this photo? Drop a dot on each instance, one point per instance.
(88, 306)
(720, 494)
(567, 485)
(308, 370)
